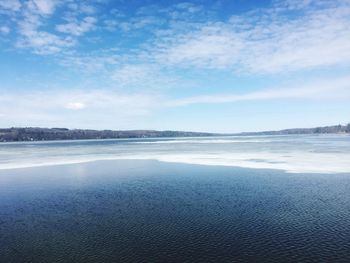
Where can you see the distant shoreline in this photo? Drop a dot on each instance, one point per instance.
(16, 134)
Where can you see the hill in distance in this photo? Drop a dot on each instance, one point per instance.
(50, 134)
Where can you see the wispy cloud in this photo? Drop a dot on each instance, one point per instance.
(12, 5)
(4, 30)
(320, 89)
(41, 42)
(44, 7)
(144, 22)
(286, 36)
(38, 31)
(265, 41)
(78, 28)
(143, 77)
(134, 74)
(74, 108)
(92, 62)
(30, 34)
(77, 108)
(79, 7)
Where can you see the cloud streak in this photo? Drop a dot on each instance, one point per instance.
(77, 108)
(325, 89)
(74, 108)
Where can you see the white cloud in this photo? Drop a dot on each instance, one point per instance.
(30, 34)
(82, 8)
(11, 5)
(111, 24)
(293, 4)
(45, 7)
(135, 23)
(289, 36)
(186, 11)
(40, 41)
(92, 62)
(4, 30)
(107, 109)
(34, 33)
(75, 106)
(133, 74)
(320, 89)
(264, 41)
(140, 76)
(76, 28)
(212, 46)
(189, 7)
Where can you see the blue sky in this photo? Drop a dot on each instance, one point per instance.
(224, 66)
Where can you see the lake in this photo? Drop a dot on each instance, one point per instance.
(222, 199)
(291, 153)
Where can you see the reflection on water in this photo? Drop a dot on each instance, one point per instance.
(147, 211)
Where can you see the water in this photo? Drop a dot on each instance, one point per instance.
(291, 153)
(214, 199)
(150, 211)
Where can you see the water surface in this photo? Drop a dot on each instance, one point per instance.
(150, 211)
(292, 153)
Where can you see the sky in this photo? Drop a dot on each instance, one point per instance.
(216, 66)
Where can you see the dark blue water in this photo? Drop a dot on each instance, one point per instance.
(148, 211)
